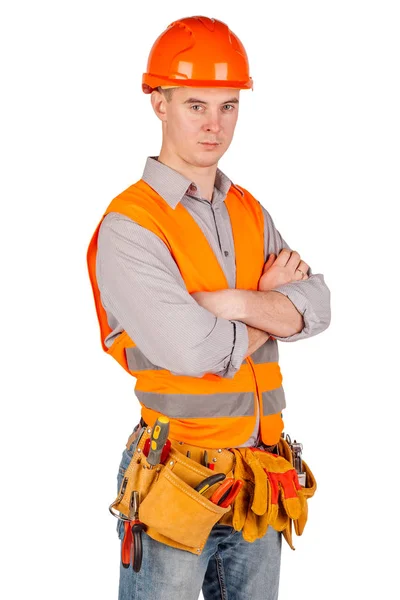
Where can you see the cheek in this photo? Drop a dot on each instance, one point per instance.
(230, 125)
(186, 130)
(190, 134)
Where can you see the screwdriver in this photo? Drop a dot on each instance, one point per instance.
(164, 453)
(159, 436)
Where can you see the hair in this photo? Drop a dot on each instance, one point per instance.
(166, 92)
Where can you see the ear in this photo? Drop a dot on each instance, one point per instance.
(159, 104)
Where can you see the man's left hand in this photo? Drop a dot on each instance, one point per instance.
(284, 268)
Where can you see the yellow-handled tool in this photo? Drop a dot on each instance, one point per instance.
(159, 437)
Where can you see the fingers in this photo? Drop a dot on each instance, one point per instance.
(269, 262)
(291, 260)
(303, 266)
(301, 271)
(283, 257)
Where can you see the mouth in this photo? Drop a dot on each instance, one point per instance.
(210, 144)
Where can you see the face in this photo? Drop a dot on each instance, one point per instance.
(195, 116)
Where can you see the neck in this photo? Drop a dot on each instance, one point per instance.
(203, 177)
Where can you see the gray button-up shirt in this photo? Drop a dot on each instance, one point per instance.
(143, 292)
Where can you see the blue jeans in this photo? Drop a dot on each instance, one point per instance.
(229, 568)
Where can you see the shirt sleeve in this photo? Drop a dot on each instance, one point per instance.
(141, 288)
(311, 297)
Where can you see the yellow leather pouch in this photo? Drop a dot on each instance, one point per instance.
(173, 512)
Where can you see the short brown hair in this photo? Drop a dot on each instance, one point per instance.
(166, 92)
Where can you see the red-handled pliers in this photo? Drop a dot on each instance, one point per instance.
(132, 545)
(126, 546)
(227, 492)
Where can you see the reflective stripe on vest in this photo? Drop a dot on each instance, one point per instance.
(211, 410)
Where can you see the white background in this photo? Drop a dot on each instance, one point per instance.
(317, 143)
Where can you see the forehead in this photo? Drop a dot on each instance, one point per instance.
(206, 94)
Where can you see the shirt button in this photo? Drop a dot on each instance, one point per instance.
(226, 252)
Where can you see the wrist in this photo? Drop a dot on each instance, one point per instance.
(249, 302)
(257, 337)
(236, 304)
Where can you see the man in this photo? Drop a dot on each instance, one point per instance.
(190, 268)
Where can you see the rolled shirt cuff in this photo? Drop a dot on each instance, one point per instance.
(239, 350)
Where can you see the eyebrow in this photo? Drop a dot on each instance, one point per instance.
(197, 101)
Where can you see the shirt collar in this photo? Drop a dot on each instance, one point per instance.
(172, 186)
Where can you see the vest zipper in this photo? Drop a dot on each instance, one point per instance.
(250, 361)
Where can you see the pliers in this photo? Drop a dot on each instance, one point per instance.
(126, 546)
(227, 492)
(132, 542)
(132, 545)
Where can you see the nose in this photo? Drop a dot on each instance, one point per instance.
(213, 123)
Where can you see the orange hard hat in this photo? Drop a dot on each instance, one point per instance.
(197, 52)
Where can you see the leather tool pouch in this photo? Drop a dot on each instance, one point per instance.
(173, 512)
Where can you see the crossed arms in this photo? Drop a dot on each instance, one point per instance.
(143, 293)
(263, 309)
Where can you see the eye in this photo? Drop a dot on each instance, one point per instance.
(231, 105)
(196, 105)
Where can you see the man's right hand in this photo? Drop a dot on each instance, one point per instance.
(282, 269)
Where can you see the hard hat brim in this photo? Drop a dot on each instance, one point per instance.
(150, 82)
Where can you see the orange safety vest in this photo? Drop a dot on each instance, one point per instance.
(210, 411)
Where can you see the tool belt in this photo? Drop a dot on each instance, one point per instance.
(176, 515)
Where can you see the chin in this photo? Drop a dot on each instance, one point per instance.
(205, 161)
(206, 158)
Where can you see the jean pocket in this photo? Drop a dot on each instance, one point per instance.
(127, 455)
(125, 460)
